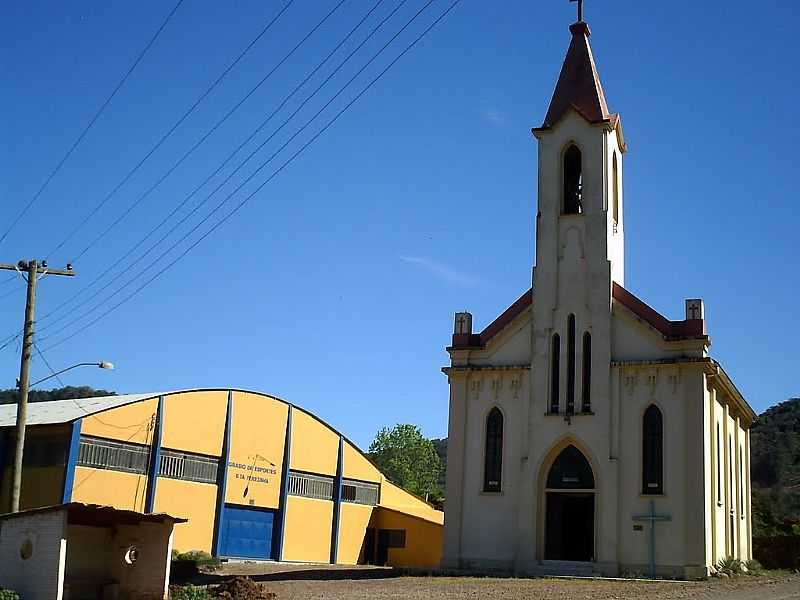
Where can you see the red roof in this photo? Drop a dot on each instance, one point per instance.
(578, 86)
(478, 340)
(669, 329)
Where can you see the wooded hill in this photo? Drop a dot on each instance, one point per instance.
(65, 393)
(775, 470)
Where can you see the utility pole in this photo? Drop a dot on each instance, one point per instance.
(33, 269)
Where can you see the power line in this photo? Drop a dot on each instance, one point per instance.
(270, 178)
(205, 136)
(169, 132)
(225, 162)
(47, 364)
(91, 122)
(241, 164)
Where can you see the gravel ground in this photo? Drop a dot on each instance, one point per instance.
(442, 588)
(378, 584)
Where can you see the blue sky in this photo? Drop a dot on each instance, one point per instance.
(334, 287)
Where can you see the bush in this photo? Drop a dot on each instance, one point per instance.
(189, 592)
(197, 557)
(753, 567)
(730, 566)
(8, 595)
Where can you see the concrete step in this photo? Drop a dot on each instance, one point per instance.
(565, 568)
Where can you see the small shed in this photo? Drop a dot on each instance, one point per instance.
(81, 551)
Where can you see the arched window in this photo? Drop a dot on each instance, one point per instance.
(555, 372)
(493, 462)
(571, 364)
(570, 470)
(615, 189)
(653, 452)
(586, 391)
(573, 181)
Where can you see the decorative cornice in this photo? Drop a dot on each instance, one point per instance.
(484, 368)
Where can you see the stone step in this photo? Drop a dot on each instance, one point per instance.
(565, 568)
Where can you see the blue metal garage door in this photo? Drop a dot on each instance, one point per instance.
(246, 532)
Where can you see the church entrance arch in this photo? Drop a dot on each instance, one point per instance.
(569, 508)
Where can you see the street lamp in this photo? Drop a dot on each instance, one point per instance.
(102, 365)
(22, 417)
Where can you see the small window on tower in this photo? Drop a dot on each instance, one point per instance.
(573, 181)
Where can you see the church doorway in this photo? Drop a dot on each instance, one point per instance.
(570, 508)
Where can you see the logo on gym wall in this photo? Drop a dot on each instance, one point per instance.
(258, 471)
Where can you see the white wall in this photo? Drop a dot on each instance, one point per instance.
(41, 575)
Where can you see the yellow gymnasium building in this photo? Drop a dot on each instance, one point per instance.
(257, 477)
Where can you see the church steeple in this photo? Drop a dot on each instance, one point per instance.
(578, 86)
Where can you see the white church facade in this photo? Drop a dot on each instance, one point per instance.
(587, 432)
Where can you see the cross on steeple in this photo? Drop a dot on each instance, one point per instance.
(580, 10)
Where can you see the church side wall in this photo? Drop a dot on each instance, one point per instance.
(488, 529)
(451, 552)
(729, 443)
(674, 389)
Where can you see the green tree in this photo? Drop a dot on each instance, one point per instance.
(409, 459)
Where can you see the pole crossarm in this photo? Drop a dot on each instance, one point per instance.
(40, 269)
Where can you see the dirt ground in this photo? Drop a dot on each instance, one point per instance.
(381, 584)
(442, 588)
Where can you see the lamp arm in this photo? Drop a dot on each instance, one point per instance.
(57, 373)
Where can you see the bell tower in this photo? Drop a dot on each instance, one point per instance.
(579, 235)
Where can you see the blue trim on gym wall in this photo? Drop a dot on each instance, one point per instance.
(337, 503)
(280, 526)
(72, 460)
(222, 474)
(155, 458)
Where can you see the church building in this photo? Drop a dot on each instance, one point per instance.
(589, 434)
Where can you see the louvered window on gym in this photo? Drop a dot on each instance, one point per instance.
(310, 486)
(188, 467)
(99, 453)
(360, 492)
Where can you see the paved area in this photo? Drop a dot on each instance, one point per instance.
(295, 582)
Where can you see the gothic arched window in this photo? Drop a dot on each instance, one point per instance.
(571, 364)
(615, 189)
(555, 372)
(653, 451)
(573, 181)
(586, 398)
(493, 461)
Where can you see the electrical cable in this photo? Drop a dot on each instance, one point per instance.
(47, 364)
(92, 121)
(222, 165)
(253, 174)
(169, 132)
(274, 174)
(205, 136)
